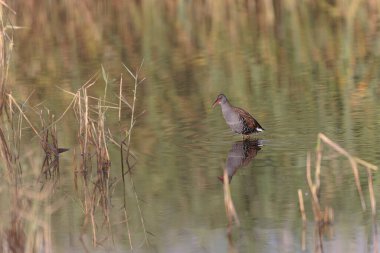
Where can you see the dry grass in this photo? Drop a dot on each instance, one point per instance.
(31, 206)
(91, 168)
(125, 145)
(6, 47)
(49, 143)
(94, 137)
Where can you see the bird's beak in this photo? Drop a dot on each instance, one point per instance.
(215, 103)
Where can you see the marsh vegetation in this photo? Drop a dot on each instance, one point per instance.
(94, 157)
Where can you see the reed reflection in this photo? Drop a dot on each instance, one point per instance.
(240, 155)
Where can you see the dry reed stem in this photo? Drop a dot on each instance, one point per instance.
(5, 152)
(120, 94)
(100, 197)
(371, 192)
(128, 230)
(312, 187)
(228, 203)
(365, 164)
(6, 48)
(375, 238)
(327, 216)
(7, 6)
(105, 78)
(132, 107)
(85, 123)
(303, 239)
(140, 210)
(24, 116)
(342, 151)
(72, 102)
(358, 185)
(318, 167)
(93, 225)
(231, 245)
(319, 241)
(354, 161)
(302, 207)
(136, 84)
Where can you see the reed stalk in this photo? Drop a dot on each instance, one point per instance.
(229, 204)
(127, 143)
(354, 162)
(302, 207)
(326, 217)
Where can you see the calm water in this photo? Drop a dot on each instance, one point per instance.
(303, 74)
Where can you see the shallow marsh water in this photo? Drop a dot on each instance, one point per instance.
(300, 73)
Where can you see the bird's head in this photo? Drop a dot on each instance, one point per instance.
(221, 99)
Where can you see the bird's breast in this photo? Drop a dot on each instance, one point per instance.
(232, 119)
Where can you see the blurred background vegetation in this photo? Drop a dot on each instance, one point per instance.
(252, 49)
(288, 59)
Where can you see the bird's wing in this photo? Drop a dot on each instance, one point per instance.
(249, 121)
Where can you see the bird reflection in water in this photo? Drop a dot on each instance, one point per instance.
(240, 155)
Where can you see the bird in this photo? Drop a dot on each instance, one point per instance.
(239, 120)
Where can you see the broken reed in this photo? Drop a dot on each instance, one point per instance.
(229, 204)
(326, 217)
(231, 213)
